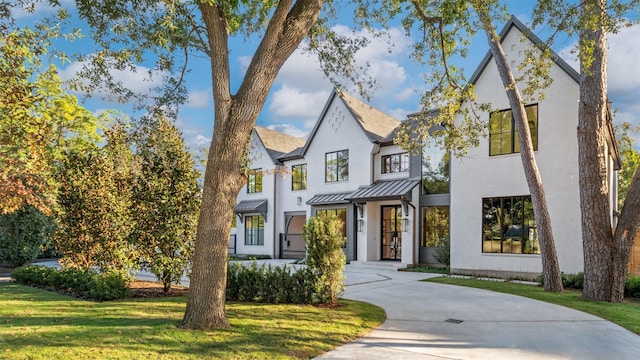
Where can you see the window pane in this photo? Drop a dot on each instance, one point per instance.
(508, 226)
(435, 225)
(435, 169)
(299, 177)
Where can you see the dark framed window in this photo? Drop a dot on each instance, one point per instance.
(435, 169)
(503, 136)
(254, 181)
(254, 230)
(337, 166)
(338, 213)
(395, 163)
(508, 226)
(299, 177)
(435, 225)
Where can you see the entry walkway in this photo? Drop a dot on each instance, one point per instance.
(435, 321)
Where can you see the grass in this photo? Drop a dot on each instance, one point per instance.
(625, 314)
(39, 324)
(427, 269)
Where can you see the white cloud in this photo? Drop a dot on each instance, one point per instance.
(139, 79)
(289, 129)
(624, 53)
(200, 98)
(297, 103)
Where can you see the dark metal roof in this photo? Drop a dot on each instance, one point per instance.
(384, 190)
(326, 199)
(251, 206)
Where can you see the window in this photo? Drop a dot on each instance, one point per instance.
(508, 226)
(435, 169)
(337, 166)
(503, 137)
(435, 225)
(299, 177)
(395, 163)
(340, 214)
(254, 183)
(254, 230)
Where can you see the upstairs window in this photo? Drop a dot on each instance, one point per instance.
(254, 182)
(299, 177)
(395, 163)
(337, 166)
(503, 136)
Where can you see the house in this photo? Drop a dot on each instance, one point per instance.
(397, 206)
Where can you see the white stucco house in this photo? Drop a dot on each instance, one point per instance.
(396, 205)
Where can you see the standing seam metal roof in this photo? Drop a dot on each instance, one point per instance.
(384, 190)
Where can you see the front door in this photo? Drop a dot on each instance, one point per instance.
(391, 232)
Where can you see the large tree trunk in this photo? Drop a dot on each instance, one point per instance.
(235, 118)
(550, 265)
(597, 237)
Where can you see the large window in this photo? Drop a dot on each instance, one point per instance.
(435, 225)
(435, 169)
(340, 214)
(395, 163)
(337, 166)
(508, 226)
(254, 182)
(299, 177)
(254, 230)
(503, 136)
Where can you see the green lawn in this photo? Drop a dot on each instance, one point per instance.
(39, 324)
(626, 314)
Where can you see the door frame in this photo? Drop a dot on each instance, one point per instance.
(398, 225)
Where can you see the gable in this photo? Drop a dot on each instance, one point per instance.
(276, 143)
(373, 123)
(515, 25)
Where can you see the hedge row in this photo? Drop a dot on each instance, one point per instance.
(269, 284)
(81, 283)
(576, 281)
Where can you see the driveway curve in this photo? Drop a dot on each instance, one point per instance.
(435, 321)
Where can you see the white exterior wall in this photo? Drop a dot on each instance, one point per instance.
(259, 160)
(338, 131)
(480, 176)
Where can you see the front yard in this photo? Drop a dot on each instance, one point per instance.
(39, 324)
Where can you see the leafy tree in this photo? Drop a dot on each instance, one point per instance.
(446, 27)
(168, 32)
(38, 120)
(629, 158)
(166, 199)
(95, 205)
(24, 234)
(606, 251)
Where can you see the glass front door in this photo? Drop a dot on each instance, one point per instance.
(391, 233)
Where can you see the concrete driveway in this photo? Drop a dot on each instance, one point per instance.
(435, 321)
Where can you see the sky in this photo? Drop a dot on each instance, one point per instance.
(301, 90)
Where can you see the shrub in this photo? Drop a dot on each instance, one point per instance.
(443, 252)
(325, 258)
(24, 234)
(632, 286)
(84, 283)
(573, 281)
(268, 284)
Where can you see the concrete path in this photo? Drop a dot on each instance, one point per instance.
(435, 321)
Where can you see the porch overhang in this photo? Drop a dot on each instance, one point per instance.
(383, 190)
(251, 207)
(329, 199)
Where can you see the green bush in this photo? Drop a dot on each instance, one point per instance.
(83, 283)
(573, 281)
(443, 252)
(632, 287)
(268, 284)
(325, 257)
(24, 235)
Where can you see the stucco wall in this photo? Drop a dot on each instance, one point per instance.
(478, 176)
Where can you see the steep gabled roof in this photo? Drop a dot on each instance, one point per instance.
(374, 123)
(277, 143)
(515, 23)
